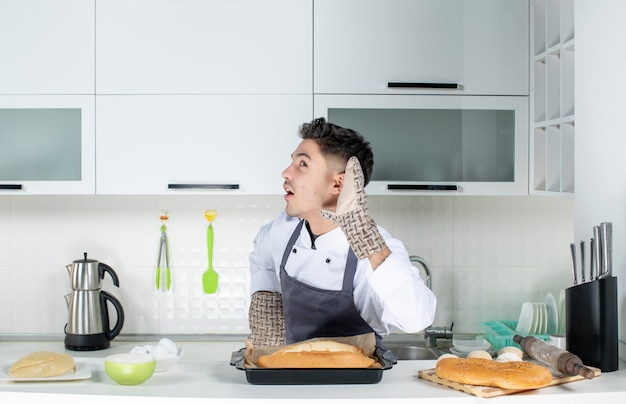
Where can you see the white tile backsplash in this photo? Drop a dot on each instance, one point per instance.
(487, 255)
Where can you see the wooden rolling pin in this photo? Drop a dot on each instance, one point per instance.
(550, 355)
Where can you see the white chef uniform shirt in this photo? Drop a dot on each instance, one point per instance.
(392, 295)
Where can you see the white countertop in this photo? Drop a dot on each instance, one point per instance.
(205, 372)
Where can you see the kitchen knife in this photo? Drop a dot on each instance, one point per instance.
(572, 248)
(592, 259)
(582, 261)
(606, 234)
(597, 252)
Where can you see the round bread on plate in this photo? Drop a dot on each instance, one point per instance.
(42, 364)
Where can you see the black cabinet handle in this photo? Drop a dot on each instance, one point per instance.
(395, 84)
(203, 186)
(10, 187)
(421, 187)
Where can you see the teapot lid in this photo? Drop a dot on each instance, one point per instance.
(85, 259)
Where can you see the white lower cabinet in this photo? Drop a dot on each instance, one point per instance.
(180, 144)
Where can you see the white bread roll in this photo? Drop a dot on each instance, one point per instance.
(317, 354)
(486, 372)
(42, 364)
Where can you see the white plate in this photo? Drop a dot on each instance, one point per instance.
(462, 354)
(469, 345)
(83, 371)
(561, 325)
(553, 314)
(536, 319)
(543, 316)
(525, 321)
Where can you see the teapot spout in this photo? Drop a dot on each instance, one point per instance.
(68, 297)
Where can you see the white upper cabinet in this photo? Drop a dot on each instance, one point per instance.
(204, 47)
(47, 47)
(47, 144)
(218, 144)
(361, 46)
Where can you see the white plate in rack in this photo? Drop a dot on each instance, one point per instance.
(525, 321)
(552, 313)
(83, 371)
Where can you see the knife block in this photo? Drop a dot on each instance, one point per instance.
(591, 323)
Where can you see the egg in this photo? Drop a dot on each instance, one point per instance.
(139, 350)
(446, 355)
(159, 352)
(479, 353)
(511, 349)
(508, 357)
(169, 345)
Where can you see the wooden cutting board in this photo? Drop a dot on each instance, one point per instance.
(486, 391)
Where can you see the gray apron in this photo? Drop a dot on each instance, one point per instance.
(313, 312)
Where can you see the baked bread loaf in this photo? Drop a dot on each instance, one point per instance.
(486, 372)
(317, 354)
(42, 364)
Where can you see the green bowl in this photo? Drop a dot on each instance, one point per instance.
(130, 369)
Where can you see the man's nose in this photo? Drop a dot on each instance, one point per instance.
(286, 174)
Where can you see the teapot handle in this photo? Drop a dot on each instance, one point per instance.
(111, 333)
(103, 268)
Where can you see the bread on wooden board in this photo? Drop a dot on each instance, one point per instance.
(486, 372)
(42, 364)
(317, 354)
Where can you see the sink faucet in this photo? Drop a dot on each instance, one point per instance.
(424, 264)
(432, 334)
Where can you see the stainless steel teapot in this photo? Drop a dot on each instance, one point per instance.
(88, 327)
(88, 274)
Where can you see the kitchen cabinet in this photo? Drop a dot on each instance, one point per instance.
(177, 144)
(552, 97)
(361, 46)
(47, 47)
(436, 144)
(204, 47)
(47, 144)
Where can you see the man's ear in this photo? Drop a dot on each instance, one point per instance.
(338, 183)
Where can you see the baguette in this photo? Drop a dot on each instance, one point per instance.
(485, 372)
(317, 354)
(42, 364)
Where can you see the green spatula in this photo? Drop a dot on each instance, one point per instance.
(210, 277)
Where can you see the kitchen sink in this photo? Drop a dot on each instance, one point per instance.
(414, 351)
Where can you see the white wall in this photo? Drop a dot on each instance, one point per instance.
(487, 254)
(600, 135)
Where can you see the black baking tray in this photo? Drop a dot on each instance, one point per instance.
(312, 375)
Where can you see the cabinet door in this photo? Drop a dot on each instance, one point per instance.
(204, 47)
(227, 144)
(436, 144)
(47, 144)
(362, 45)
(47, 47)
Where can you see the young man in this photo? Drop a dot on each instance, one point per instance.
(323, 267)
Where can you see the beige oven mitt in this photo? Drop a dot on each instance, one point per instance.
(352, 216)
(266, 320)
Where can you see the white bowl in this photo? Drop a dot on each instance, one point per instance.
(165, 364)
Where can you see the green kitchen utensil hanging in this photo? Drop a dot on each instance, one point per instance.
(164, 252)
(210, 277)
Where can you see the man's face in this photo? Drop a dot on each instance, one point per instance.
(310, 182)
